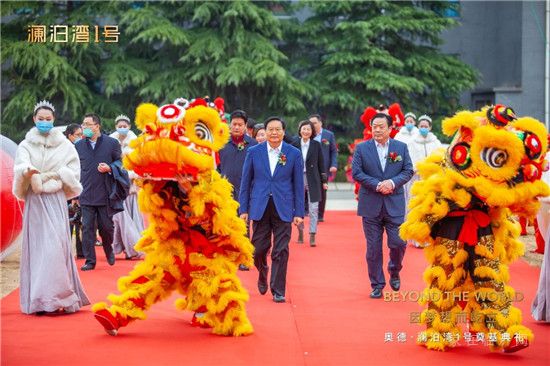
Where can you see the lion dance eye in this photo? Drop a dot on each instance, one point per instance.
(495, 158)
(203, 132)
(460, 156)
(533, 146)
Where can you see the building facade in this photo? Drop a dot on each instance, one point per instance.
(506, 42)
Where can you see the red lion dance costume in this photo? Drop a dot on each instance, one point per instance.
(195, 241)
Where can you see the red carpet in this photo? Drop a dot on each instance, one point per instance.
(328, 319)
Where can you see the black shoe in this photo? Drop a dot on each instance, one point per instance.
(111, 259)
(87, 267)
(395, 283)
(80, 257)
(320, 219)
(376, 293)
(279, 298)
(262, 287)
(242, 267)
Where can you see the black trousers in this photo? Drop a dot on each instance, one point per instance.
(269, 224)
(106, 230)
(322, 203)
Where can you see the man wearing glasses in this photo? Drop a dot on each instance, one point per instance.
(97, 152)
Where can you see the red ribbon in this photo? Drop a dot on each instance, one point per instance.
(473, 219)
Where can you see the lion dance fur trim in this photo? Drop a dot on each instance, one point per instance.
(489, 173)
(195, 241)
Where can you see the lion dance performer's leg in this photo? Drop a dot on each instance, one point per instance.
(472, 274)
(446, 282)
(491, 310)
(215, 290)
(150, 281)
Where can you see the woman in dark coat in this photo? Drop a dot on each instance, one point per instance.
(314, 176)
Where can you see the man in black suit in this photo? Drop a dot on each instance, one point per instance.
(97, 153)
(330, 156)
(233, 153)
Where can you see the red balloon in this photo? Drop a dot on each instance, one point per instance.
(12, 209)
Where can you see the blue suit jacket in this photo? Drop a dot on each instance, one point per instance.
(367, 171)
(286, 185)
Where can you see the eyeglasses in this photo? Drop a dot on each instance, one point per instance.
(84, 125)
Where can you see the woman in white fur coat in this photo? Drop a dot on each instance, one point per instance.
(128, 223)
(47, 174)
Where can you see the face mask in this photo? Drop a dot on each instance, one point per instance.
(88, 132)
(409, 127)
(123, 131)
(77, 139)
(44, 126)
(424, 131)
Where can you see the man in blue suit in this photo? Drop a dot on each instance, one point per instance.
(330, 156)
(382, 166)
(272, 196)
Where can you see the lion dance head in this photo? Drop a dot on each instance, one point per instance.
(499, 157)
(181, 138)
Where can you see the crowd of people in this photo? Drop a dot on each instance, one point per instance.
(76, 184)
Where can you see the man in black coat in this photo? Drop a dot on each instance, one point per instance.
(97, 152)
(330, 156)
(233, 153)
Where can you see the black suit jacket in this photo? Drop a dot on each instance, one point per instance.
(315, 170)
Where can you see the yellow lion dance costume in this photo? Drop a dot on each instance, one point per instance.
(462, 211)
(195, 240)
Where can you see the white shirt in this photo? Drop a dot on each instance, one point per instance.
(382, 153)
(92, 143)
(273, 155)
(305, 148)
(319, 135)
(383, 157)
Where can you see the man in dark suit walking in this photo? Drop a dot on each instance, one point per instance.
(97, 153)
(330, 156)
(272, 196)
(233, 153)
(382, 166)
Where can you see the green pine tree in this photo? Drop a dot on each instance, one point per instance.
(358, 53)
(233, 54)
(68, 74)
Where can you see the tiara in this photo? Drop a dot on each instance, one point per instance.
(122, 116)
(425, 118)
(410, 114)
(45, 104)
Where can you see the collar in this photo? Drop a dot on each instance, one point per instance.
(278, 148)
(302, 143)
(387, 144)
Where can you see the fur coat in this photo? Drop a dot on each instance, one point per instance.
(56, 159)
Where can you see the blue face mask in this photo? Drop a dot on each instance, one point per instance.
(77, 139)
(424, 131)
(409, 127)
(44, 126)
(88, 132)
(123, 131)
